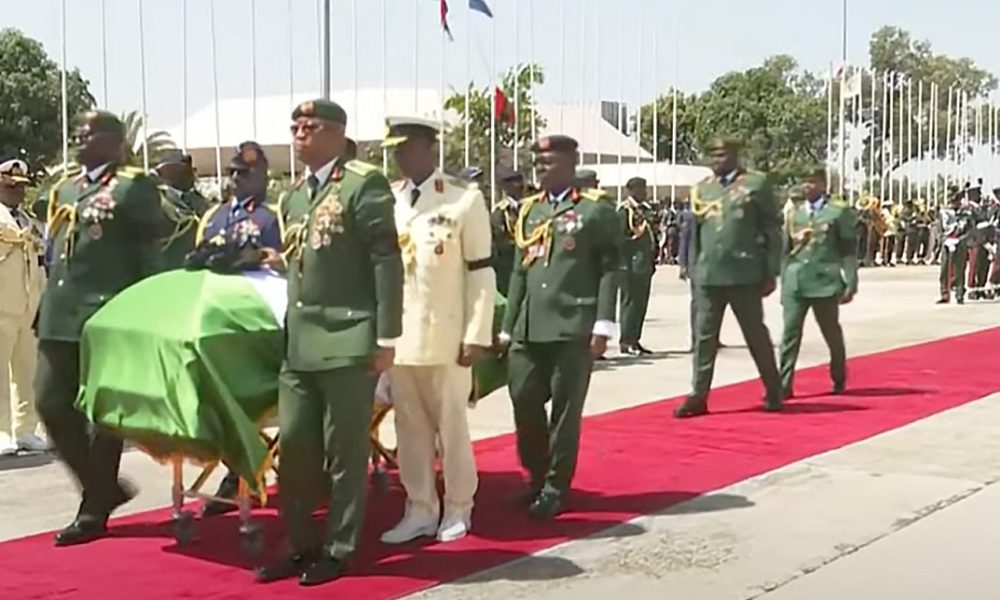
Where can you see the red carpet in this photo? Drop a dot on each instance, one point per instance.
(633, 462)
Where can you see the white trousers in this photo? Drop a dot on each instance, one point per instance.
(430, 403)
(18, 359)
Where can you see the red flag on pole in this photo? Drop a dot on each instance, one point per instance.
(444, 19)
(500, 106)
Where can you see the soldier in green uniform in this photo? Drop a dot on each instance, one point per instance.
(345, 299)
(638, 220)
(560, 315)
(736, 258)
(502, 219)
(586, 179)
(183, 205)
(106, 225)
(820, 272)
(956, 222)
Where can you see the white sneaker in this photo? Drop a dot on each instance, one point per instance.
(32, 443)
(453, 528)
(7, 445)
(411, 528)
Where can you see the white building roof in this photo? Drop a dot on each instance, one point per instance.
(236, 120)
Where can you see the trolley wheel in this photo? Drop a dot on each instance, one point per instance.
(251, 539)
(184, 528)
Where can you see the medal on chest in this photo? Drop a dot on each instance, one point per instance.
(327, 221)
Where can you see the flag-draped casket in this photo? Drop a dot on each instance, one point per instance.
(186, 363)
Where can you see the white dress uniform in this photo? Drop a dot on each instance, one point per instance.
(22, 279)
(448, 292)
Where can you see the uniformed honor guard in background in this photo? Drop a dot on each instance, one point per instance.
(736, 259)
(107, 226)
(502, 220)
(560, 315)
(345, 304)
(639, 258)
(820, 273)
(183, 205)
(22, 278)
(956, 222)
(448, 290)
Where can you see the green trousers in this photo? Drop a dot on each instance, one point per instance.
(827, 314)
(747, 305)
(91, 454)
(633, 304)
(503, 266)
(953, 269)
(324, 446)
(548, 445)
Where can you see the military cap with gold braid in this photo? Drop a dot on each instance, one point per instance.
(102, 121)
(401, 129)
(326, 110)
(15, 170)
(724, 143)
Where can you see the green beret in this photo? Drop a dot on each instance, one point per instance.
(816, 172)
(555, 143)
(102, 121)
(723, 143)
(586, 174)
(635, 182)
(327, 110)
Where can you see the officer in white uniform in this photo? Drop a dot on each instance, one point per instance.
(449, 285)
(22, 278)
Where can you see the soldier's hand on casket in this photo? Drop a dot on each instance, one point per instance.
(382, 361)
(470, 354)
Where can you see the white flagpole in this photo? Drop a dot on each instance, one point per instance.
(902, 139)
(673, 116)
(62, 83)
(531, 49)
(562, 64)
(891, 146)
(493, 113)
(842, 137)
(142, 84)
(468, 74)
(356, 117)
(583, 68)
(291, 83)
(622, 129)
(253, 66)
(909, 135)
(858, 121)
(920, 137)
(416, 57)
(871, 137)
(319, 42)
(947, 139)
(444, 40)
(829, 122)
(517, 83)
(598, 155)
(104, 50)
(638, 98)
(656, 118)
(882, 154)
(184, 75)
(385, 81)
(215, 97)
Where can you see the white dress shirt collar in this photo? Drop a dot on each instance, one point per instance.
(96, 173)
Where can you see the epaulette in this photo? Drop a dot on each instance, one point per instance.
(593, 194)
(362, 168)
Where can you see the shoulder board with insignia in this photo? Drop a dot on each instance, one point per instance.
(592, 194)
(130, 172)
(362, 168)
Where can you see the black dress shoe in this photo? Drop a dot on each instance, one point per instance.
(227, 489)
(525, 497)
(773, 404)
(643, 350)
(839, 387)
(943, 301)
(787, 394)
(632, 351)
(546, 506)
(83, 530)
(288, 567)
(323, 570)
(690, 409)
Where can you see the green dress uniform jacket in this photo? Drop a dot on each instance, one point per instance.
(105, 236)
(820, 267)
(736, 249)
(345, 294)
(639, 250)
(562, 292)
(502, 220)
(183, 211)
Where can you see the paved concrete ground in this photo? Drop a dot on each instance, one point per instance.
(822, 527)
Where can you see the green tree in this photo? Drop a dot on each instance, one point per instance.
(157, 141)
(687, 122)
(893, 49)
(30, 100)
(778, 112)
